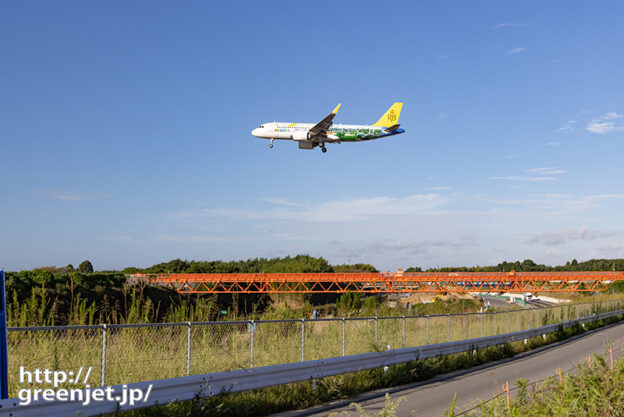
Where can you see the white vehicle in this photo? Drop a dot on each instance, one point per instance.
(527, 296)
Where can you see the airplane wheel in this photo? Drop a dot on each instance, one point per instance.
(270, 145)
(324, 149)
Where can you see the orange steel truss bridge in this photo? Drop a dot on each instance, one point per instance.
(389, 282)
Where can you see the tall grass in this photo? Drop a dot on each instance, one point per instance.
(593, 390)
(146, 353)
(306, 394)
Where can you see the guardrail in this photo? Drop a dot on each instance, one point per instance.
(188, 387)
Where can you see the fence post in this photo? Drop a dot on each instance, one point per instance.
(466, 323)
(302, 339)
(448, 327)
(507, 321)
(188, 348)
(495, 325)
(4, 346)
(252, 332)
(375, 330)
(481, 323)
(403, 331)
(343, 336)
(427, 329)
(103, 358)
(518, 318)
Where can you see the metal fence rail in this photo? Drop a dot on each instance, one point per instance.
(188, 387)
(126, 353)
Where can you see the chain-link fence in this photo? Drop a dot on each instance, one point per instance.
(125, 353)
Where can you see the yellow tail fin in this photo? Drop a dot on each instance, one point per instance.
(391, 117)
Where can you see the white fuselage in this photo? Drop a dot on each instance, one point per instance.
(299, 131)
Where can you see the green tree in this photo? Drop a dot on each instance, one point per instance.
(347, 268)
(42, 277)
(85, 267)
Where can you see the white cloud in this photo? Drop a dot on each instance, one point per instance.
(440, 57)
(567, 127)
(187, 239)
(525, 178)
(605, 124)
(442, 116)
(511, 25)
(73, 196)
(331, 211)
(515, 51)
(543, 174)
(440, 188)
(389, 231)
(547, 171)
(561, 237)
(553, 205)
(552, 144)
(415, 247)
(604, 127)
(283, 202)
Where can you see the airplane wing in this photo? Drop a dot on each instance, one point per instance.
(320, 129)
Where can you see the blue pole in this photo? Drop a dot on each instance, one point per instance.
(4, 348)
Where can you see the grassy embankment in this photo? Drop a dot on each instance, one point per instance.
(138, 354)
(593, 390)
(135, 354)
(153, 353)
(306, 394)
(42, 297)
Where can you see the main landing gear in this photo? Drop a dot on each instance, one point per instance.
(323, 149)
(271, 144)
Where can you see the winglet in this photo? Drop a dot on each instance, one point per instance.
(336, 109)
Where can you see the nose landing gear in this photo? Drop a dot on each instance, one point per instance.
(271, 144)
(323, 148)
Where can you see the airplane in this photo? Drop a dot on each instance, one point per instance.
(310, 135)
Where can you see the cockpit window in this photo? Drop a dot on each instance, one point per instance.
(261, 126)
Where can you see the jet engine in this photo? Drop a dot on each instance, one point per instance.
(300, 136)
(307, 144)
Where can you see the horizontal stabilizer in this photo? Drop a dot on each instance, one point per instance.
(392, 128)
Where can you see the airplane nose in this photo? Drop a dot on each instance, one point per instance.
(255, 132)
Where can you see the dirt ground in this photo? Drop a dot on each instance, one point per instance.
(428, 298)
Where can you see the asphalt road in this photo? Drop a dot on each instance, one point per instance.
(499, 303)
(537, 303)
(503, 304)
(432, 397)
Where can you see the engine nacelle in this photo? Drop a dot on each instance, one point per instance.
(307, 144)
(300, 136)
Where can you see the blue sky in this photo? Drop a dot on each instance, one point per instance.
(125, 132)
